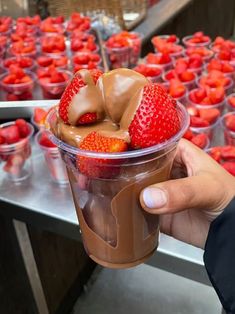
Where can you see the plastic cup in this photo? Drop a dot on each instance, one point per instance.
(165, 66)
(205, 58)
(219, 106)
(156, 78)
(32, 54)
(198, 71)
(118, 57)
(53, 161)
(228, 88)
(189, 85)
(54, 90)
(116, 232)
(84, 54)
(229, 136)
(165, 37)
(15, 59)
(15, 159)
(187, 44)
(229, 107)
(19, 89)
(182, 99)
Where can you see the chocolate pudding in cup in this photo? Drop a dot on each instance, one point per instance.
(116, 231)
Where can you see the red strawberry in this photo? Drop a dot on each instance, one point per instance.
(215, 153)
(210, 115)
(23, 127)
(10, 133)
(71, 90)
(45, 141)
(88, 118)
(230, 122)
(200, 140)
(39, 115)
(230, 167)
(155, 120)
(188, 135)
(198, 122)
(228, 152)
(96, 167)
(231, 101)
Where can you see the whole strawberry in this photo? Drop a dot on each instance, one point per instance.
(74, 88)
(155, 120)
(97, 167)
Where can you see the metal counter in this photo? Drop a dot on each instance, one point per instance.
(41, 202)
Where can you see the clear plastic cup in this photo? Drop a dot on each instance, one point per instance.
(198, 71)
(228, 88)
(53, 161)
(190, 51)
(182, 99)
(17, 59)
(165, 66)
(229, 136)
(187, 44)
(15, 159)
(228, 105)
(155, 78)
(219, 106)
(84, 54)
(21, 88)
(189, 85)
(165, 37)
(209, 130)
(116, 231)
(32, 54)
(118, 57)
(54, 90)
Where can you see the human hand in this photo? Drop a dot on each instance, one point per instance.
(188, 205)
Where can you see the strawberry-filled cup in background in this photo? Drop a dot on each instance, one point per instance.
(44, 61)
(52, 157)
(221, 43)
(86, 60)
(225, 156)
(177, 90)
(187, 78)
(204, 52)
(152, 71)
(215, 79)
(223, 66)
(17, 83)
(118, 57)
(53, 45)
(170, 38)
(53, 82)
(204, 119)
(198, 39)
(230, 102)
(23, 49)
(201, 140)
(160, 59)
(213, 98)
(116, 232)
(38, 118)
(25, 63)
(193, 64)
(15, 150)
(228, 125)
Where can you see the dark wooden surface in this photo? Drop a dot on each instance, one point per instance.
(182, 17)
(63, 266)
(15, 292)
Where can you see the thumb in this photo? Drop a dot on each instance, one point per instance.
(202, 192)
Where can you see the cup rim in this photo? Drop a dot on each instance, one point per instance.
(165, 36)
(9, 147)
(226, 87)
(124, 155)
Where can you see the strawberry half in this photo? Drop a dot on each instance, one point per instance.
(96, 167)
(71, 90)
(156, 119)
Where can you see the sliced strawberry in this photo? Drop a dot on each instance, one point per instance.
(45, 141)
(228, 152)
(96, 167)
(188, 135)
(23, 127)
(230, 167)
(230, 122)
(10, 133)
(200, 140)
(198, 122)
(231, 101)
(156, 118)
(39, 115)
(210, 115)
(215, 153)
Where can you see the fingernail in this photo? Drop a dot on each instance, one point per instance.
(154, 198)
